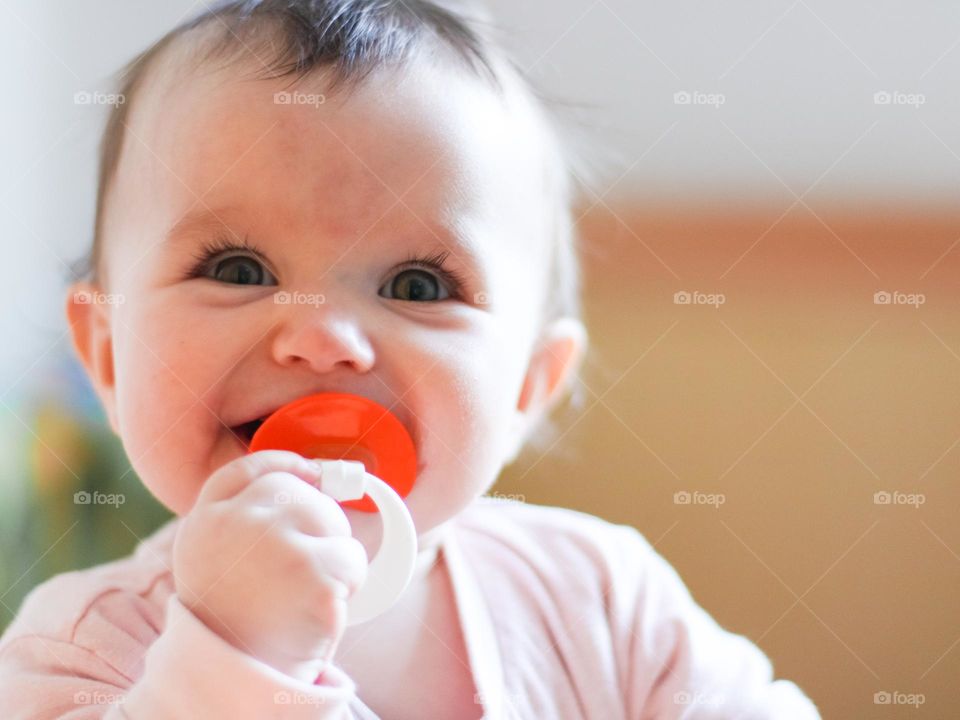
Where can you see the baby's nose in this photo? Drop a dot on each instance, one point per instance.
(321, 337)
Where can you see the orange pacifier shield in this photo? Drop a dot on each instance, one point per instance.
(341, 426)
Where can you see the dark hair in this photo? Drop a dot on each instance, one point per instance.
(352, 38)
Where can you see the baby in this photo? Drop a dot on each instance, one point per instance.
(389, 171)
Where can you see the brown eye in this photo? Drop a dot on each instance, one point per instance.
(417, 286)
(241, 270)
(231, 260)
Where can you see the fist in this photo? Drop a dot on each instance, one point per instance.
(266, 561)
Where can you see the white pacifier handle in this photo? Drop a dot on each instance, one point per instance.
(392, 566)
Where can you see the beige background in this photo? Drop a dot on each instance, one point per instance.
(797, 399)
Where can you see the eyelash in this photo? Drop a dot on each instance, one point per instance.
(220, 245)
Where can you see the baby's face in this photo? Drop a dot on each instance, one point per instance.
(336, 196)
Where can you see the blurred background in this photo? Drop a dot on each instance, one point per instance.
(771, 281)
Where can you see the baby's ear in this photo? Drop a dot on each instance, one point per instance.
(93, 341)
(555, 359)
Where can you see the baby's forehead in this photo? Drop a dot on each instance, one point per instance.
(195, 72)
(426, 136)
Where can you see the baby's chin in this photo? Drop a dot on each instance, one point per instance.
(176, 483)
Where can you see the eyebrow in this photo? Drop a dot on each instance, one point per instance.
(202, 219)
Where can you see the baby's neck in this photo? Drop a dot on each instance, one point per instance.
(399, 626)
(426, 559)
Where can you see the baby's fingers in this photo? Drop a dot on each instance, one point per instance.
(335, 560)
(300, 504)
(237, 474)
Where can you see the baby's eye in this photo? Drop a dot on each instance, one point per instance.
(230, 259)
(241, 270)
(420, 278)
(425, 278)
(416, 285)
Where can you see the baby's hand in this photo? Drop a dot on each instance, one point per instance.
(267, 562)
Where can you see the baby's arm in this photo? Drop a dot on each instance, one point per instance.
(188, 671)
(250, 632)
(679, 661)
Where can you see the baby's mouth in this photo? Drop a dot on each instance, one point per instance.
(245, 431)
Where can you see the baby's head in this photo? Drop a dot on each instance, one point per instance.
(354, 196)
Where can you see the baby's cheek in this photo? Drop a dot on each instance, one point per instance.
(474, 411)
(163, 423)
(163, 435)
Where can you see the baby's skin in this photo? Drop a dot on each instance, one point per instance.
(293, 581)
(328, 196)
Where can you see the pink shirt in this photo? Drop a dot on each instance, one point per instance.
(564, 615)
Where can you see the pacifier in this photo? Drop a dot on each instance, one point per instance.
(368, 463)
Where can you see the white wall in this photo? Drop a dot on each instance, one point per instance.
(798, 79)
